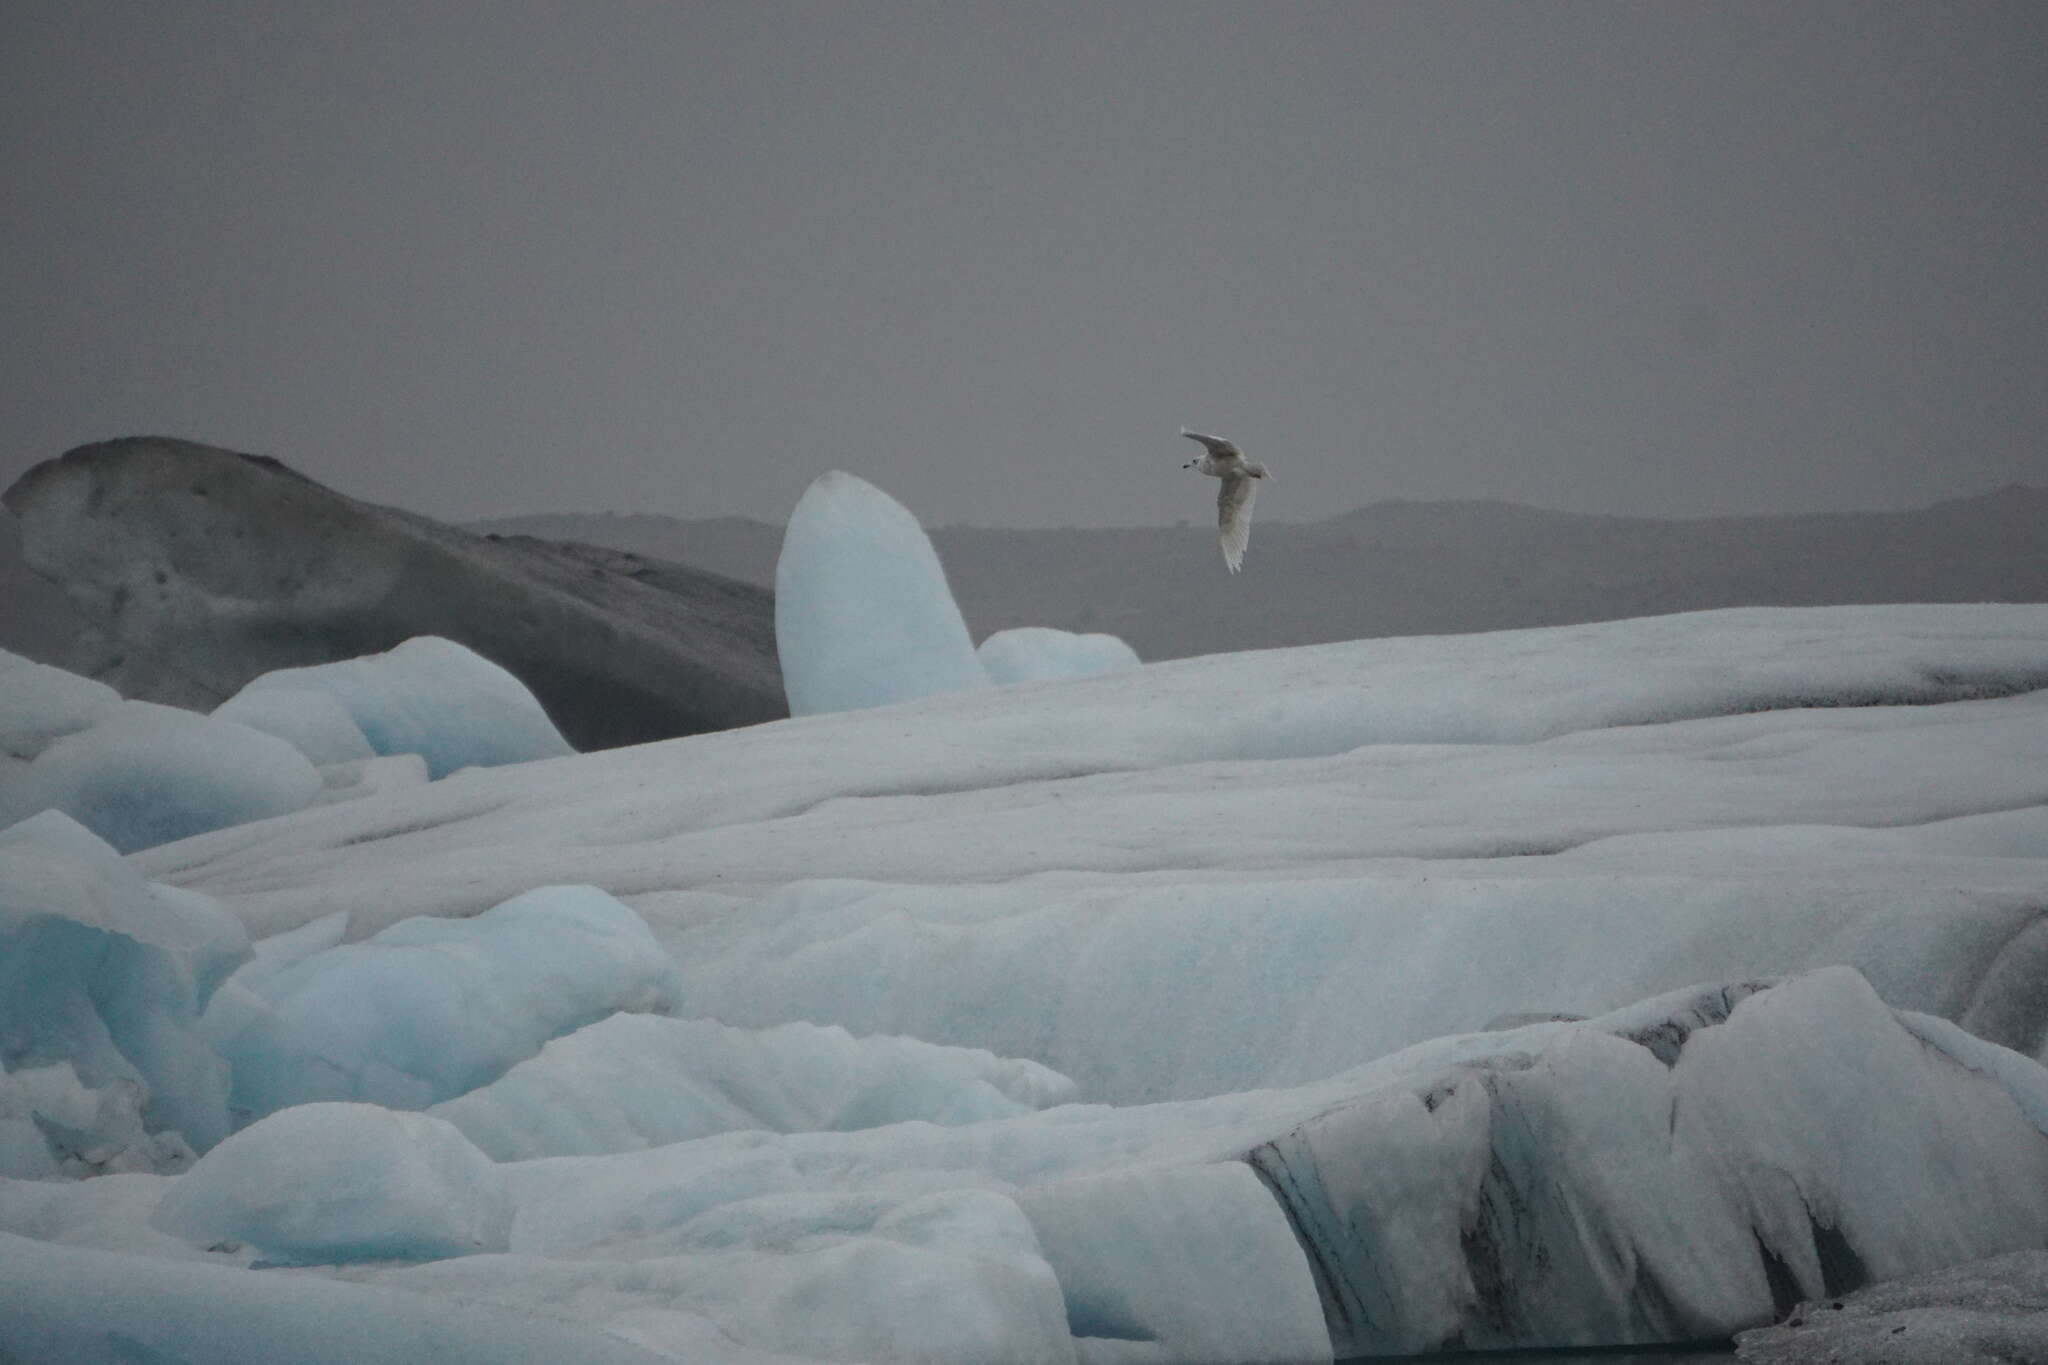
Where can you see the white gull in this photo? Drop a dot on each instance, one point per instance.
(1234, 500)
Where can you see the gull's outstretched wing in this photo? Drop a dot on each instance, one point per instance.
(1216, 445)
(1234, 518)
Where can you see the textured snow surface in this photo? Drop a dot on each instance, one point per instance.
(1034, 653)
(1261, 909)
(863, 616)
(429, 696)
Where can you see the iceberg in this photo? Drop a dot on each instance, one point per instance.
(863, 616)
(429, 1009)
(429, 696)
(1035, 653)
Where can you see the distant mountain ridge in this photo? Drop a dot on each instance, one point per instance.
(1415, 568)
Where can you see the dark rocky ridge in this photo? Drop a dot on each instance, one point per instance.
(192, 569)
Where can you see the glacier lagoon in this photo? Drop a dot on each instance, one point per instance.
(1594, 985)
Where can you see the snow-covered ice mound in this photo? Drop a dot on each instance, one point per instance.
(429, 696)
(863, 616)
(1034, 653)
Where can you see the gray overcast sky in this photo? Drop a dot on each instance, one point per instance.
(475, 258)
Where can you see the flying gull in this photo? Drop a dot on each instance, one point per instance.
(1234, 500)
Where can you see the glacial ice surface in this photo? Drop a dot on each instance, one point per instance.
(1259, 938)
(1035, 653)
(863, 615)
